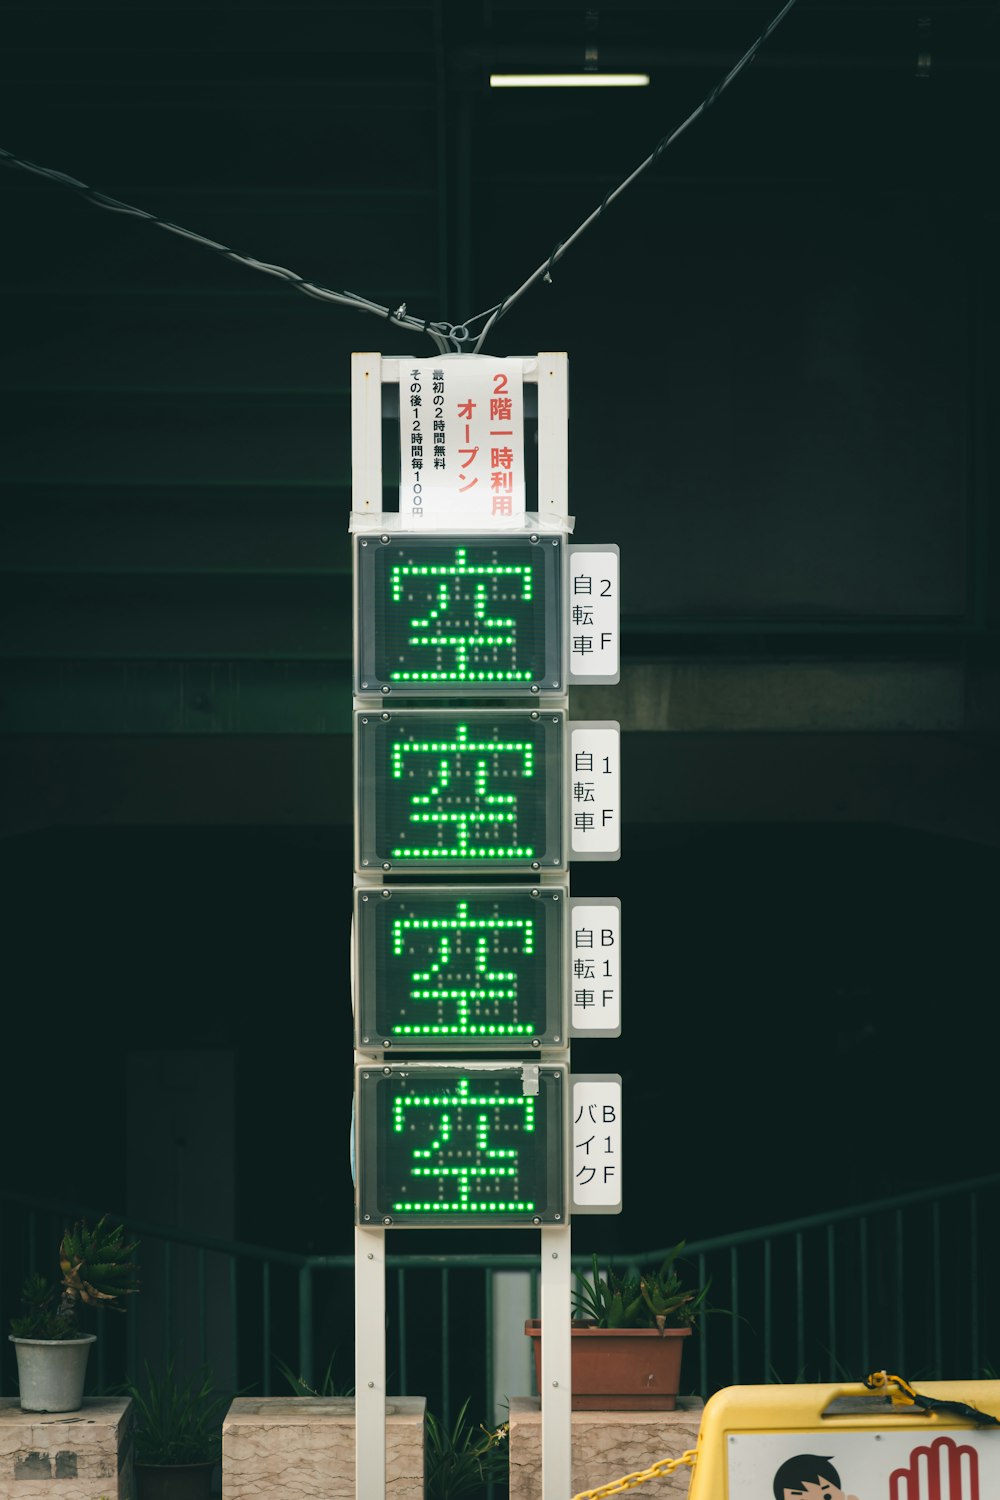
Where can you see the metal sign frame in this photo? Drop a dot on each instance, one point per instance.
(374, 910)
(547, 1082)
(553, 553)
(548, 726)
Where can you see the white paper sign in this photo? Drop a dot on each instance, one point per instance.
(594, 614)
(595, 789)
(461, 433)
(597, 1143)
(595, 967)
(963, 1464)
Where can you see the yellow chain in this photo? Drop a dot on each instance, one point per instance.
(633, 1481)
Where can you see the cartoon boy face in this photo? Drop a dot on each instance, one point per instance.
(808, 1476)
(822, 1490)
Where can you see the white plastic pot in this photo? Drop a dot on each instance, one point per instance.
(51, 1372)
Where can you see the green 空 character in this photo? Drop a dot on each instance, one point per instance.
(464, 799)
(466, 617)
(466, 986)
(456, 1161)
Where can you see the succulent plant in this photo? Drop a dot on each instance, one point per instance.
(666, 1298)
(97, 1271)
(653, 1299)
(96, 1265)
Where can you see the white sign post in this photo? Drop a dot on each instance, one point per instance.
(462, 480)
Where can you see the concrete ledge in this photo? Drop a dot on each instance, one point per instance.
(69, 1455)
(302, 1448)
(606, 1445)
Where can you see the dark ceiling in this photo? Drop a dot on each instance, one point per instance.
(781, 338)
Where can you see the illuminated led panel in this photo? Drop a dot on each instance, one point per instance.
(458, 615)
(443, 791)
(453, 1145)
(472, 967)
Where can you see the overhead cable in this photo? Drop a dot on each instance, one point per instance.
(447, 337)
(444, 335)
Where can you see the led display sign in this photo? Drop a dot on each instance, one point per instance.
(476, 791)
(472, 967)
(458, 615)
(476, 1146)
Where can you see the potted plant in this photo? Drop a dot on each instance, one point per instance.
(97, 1271)
(462, 1462)
(178, 1434)
(627, 1341)
(327, 1387)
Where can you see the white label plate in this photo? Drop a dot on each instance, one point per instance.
(596, 1170)
(595, 966)
(595, 789)
(593, 613)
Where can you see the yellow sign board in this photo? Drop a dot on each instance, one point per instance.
(840, 1442)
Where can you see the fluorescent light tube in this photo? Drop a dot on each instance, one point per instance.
(568, 80)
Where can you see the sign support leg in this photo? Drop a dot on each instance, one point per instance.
(557, 1385)
(369, 1363)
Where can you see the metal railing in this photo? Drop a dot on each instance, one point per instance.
(902, 1282)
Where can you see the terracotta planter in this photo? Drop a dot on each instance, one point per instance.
(620, 1369)
(174, 1481)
